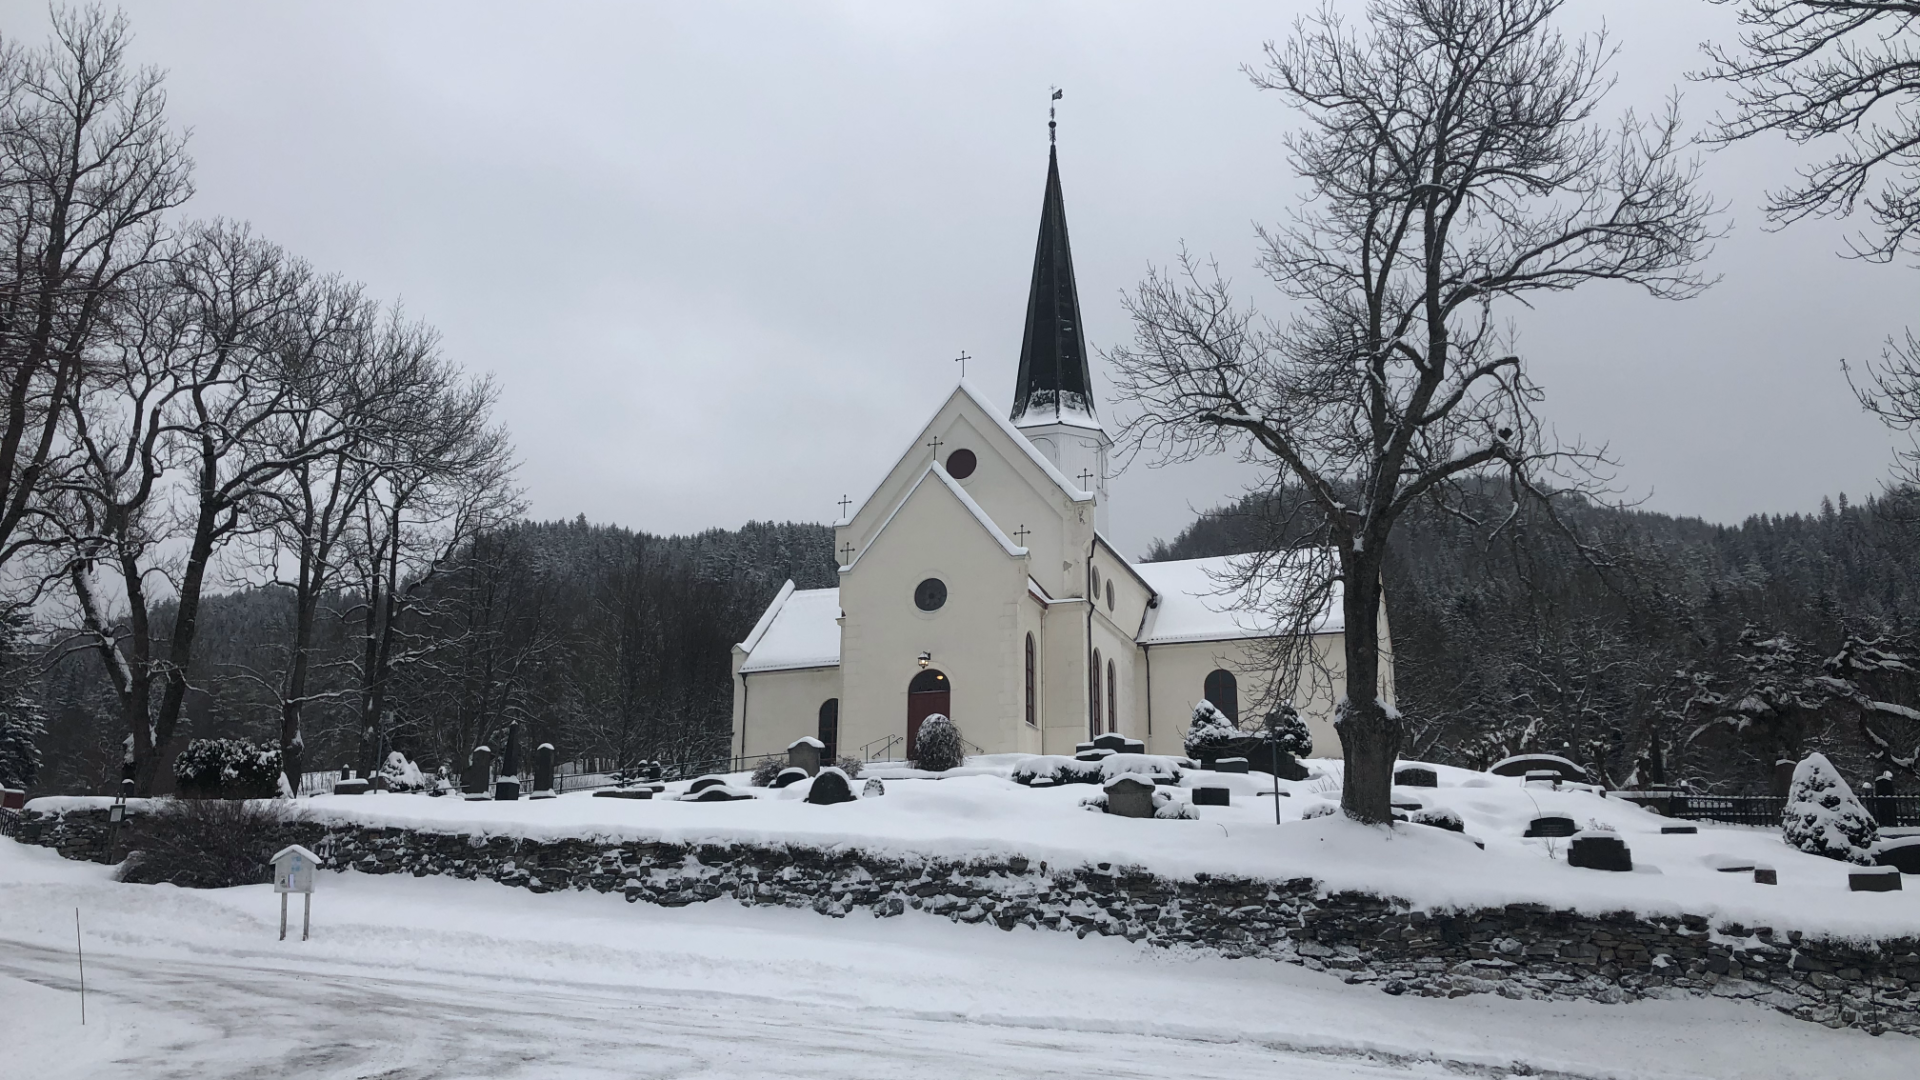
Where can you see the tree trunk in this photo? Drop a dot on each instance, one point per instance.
(1369, 733)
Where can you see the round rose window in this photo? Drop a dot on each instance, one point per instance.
(930, 595)
(960, 464)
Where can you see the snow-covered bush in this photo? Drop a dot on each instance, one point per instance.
(208, 844)
(401, 774)
(1209, 731)
(852, 766)
(228, 769)
(1289, 732)
(1319, 810)
(1823, 817)
(20, 731)
(938, 747)
(1440, 818)
(768, 768)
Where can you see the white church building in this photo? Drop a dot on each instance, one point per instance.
(977, 581)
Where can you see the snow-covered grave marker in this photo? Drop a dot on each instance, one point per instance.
(293, 872)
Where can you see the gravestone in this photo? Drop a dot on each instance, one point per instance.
(1522, 764)
(543, 771)
(1765, 875)
(874, 787)
(506, 789)
(704, 783)
(1129, 796)
(788, 777)
(1230, 765)
(623, 793)
(1119, 744)
(830, 787)
(1416, 776)
(1285, 766)
(350, 787)
(1212, 796)
(1543, 776)
(1874, 879)
(654, 771)
(1903, 854)
(473, 782)
(1093, 754)
(1729, 864)
(1599, 851)
(1551, 825)
(13, 798)
(804, 753)
(715, 793)
(1679, 830)
(1081, 748)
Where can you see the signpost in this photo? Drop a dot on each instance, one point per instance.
(293, 872)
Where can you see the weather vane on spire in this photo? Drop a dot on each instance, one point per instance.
(1057, 95)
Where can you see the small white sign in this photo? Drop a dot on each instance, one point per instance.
(293, 870)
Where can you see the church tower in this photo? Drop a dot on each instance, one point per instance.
(1053, 400)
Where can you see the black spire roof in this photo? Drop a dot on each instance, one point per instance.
(1053, 354)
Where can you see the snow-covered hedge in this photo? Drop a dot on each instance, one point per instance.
(403, 775)
(1822, 816)
(1066, 770)
(228, 769)
(1210, 730)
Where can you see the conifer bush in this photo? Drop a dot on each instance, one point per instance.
(228, 769)
(1823, 817)
(1210, 731)
(938, 747)
(852, 766)
(1289, 732)
(768, 768)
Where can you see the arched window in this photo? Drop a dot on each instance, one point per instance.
(830, 729)
(1093, 721)
(1224, 691)
(1032, 714)
(1109, 594)
(1113, 695)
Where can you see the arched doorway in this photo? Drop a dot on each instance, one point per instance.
(1224, 691)
(830, 730)
(928, 693)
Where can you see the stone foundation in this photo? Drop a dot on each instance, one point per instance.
(1518, 951)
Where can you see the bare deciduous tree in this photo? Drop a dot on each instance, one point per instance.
(1454, 163)
(88, 171)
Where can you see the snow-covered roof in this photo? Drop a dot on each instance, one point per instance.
(798, 631)
(1200, 602)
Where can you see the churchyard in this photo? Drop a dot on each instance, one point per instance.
(1528, 887)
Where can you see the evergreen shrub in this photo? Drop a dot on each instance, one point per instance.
(938, 747)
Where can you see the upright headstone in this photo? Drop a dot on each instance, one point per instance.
(1129, 796)
(479, 775)
(510, 765)
(1599, 851)
(874, 787)
(543, 771)
(1415, 776)
(830, 787)
(804, 753)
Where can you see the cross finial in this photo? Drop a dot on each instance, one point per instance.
(1020, 534)
(962, 361)
(844, 503)
(846, 554)
(1057, 94)
(1086, 479)
(936, 444)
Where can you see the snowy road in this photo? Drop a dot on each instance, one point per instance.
(428, 978)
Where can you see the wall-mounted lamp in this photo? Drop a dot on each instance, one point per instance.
(925, 659)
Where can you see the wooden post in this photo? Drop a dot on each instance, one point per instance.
(283, 916)
(306, 913)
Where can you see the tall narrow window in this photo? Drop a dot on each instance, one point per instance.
(1224, 691)
(1093, 722)
(1113, 699)
(1032, 718)
(830, 729)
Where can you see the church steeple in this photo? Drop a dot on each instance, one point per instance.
(1054, 384)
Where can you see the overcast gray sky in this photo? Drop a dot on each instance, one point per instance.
(719, 256)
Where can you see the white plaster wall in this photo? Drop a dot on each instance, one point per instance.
(1179, 675)
(781, 706)
(975, 638)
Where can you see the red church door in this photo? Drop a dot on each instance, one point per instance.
(928, 693)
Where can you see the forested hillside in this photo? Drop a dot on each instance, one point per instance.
(1657, 649)
(606, 642)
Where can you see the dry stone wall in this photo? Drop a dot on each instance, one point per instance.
(1518, 951)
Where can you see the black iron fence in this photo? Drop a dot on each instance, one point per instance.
(1891, 811)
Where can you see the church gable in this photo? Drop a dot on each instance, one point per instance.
(982, 454)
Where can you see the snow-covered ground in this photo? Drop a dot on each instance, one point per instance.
(985, 813)
(433, 977)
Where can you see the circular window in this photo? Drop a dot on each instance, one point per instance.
(1096, 580)
(1109, 595)
(960, 464)
(930, 595)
